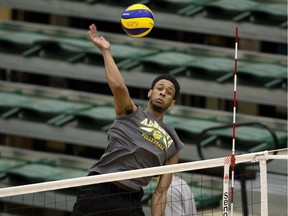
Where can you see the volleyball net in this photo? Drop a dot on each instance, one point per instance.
(207, 180)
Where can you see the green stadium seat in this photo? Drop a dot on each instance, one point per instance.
(189, 129)
(171, 5)
(10, 103)
(53, 111)
(182, 7)
(7, 163)
(32, 173)
(256, 12)
(126, 56)
(39, 172)
(270, 14)
(100, 117)
(172, 62)
(247, 136)
(25, 43)
(196, 7)
(67, 49)
(54, 106)
(211, 68)
(11, 99)
(50, 110)
(123, 51)
(250, 137)
(70, 49)
(263, 74)
(194, 127)
(226, 9)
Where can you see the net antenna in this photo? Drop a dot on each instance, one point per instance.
(230, 161)
(233, 159)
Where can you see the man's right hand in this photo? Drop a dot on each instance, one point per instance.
(98, 40)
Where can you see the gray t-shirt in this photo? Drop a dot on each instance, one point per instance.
(136, 141)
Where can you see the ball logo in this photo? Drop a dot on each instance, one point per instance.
(132, 24)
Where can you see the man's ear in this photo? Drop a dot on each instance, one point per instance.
(172, 103)
(149, 93)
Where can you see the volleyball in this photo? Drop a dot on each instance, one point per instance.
(137, 20)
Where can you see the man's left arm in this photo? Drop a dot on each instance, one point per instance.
(159, 197)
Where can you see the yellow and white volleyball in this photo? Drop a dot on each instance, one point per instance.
(137, 20)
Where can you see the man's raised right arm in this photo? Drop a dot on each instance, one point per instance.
(122, 99)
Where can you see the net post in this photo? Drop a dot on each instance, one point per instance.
(263, 185)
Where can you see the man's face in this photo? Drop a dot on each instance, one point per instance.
(161, 96)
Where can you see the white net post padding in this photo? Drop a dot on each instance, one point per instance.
(263, 179)
(263, 185)
(225, 197)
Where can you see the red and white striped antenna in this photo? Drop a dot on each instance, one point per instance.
(230, 161)
(233, 159)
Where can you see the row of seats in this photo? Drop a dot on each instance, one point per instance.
(220, 69)
(57, 112)
(242, 10)
(151, 59)
(52, 111)
(268, 13)
(20, 171)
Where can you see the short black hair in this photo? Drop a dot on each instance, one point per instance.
(171, 79)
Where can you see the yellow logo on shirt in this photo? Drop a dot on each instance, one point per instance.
(155, 134)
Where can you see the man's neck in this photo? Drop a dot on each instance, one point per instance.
(157, 115)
